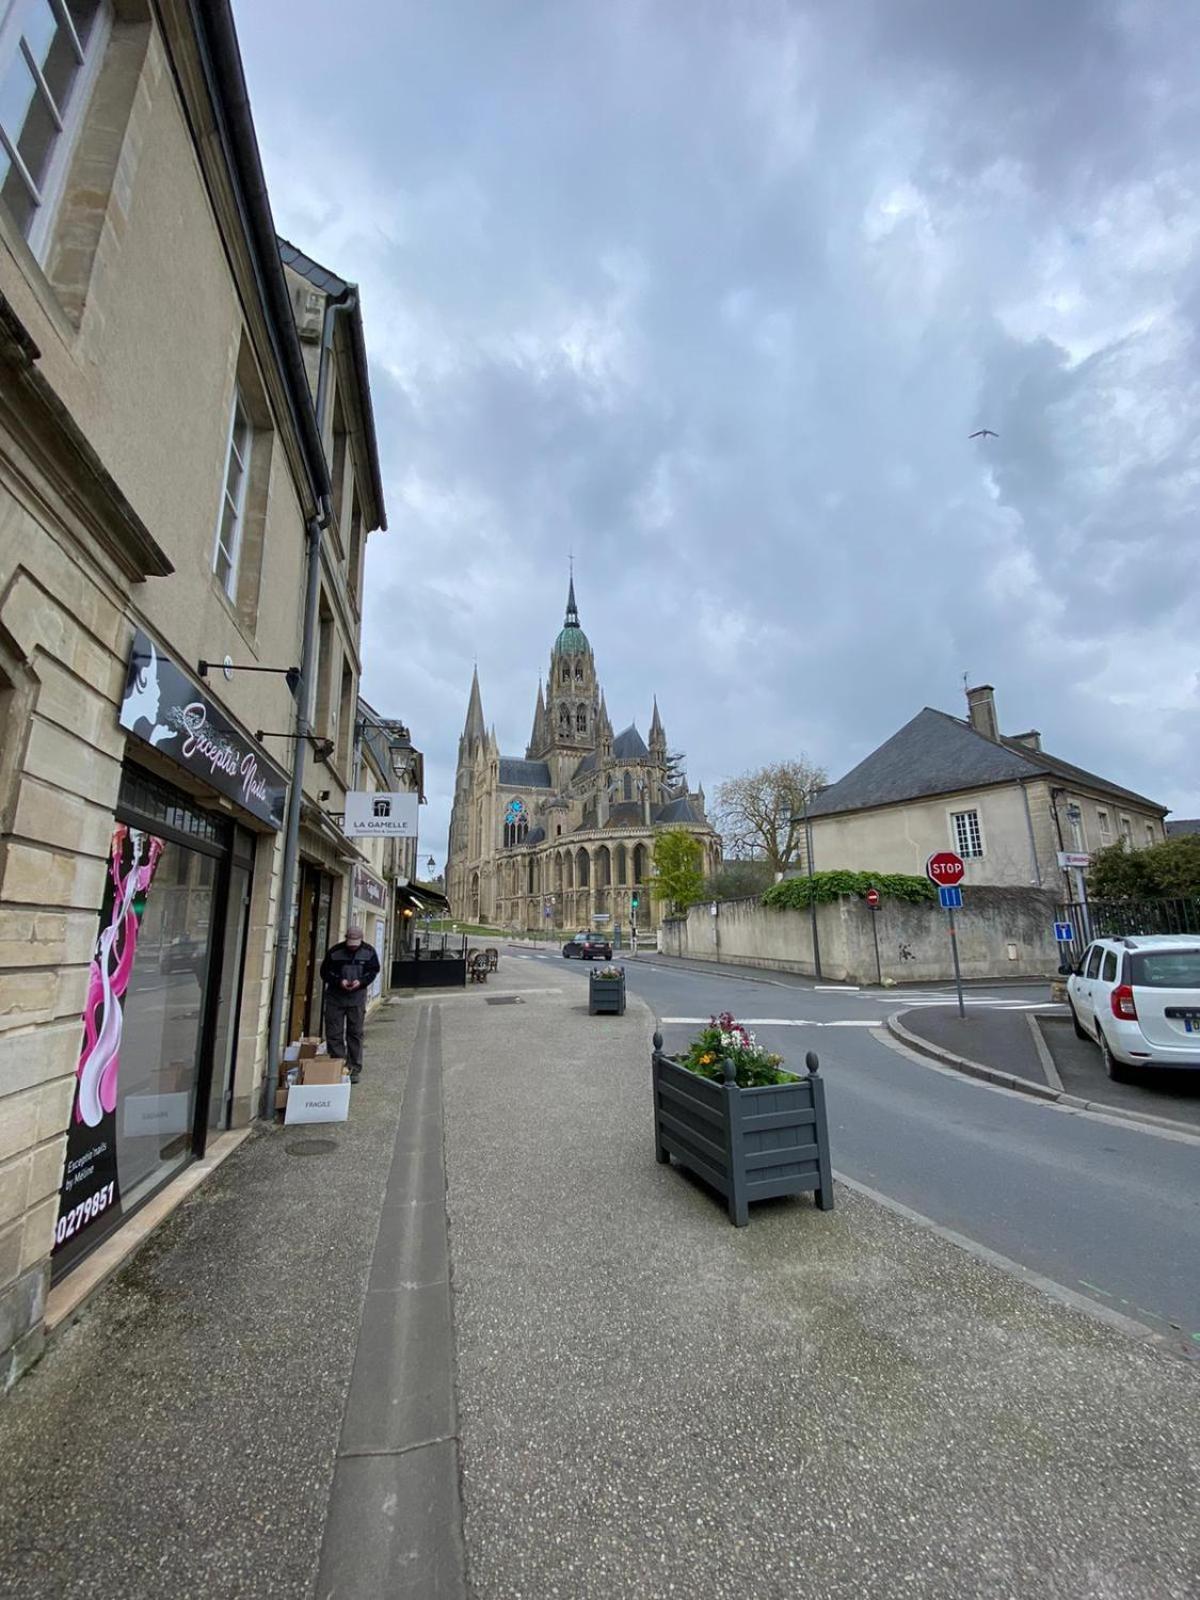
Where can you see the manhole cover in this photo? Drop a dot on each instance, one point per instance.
(505, 1000)
(311, 1147)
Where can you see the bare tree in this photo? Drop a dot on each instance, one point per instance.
(759, 814)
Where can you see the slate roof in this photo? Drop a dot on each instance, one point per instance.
(624, 814)
(629, 745)
(939, 754)
(681, 810)
(521, 774)
(588, 764)
(1182, 826)
(537, 836)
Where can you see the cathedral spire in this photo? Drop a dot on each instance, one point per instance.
(658, 735)
(537, 739)
(474, 730)
(572, 619)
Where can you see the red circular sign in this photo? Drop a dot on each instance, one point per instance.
(945, 868)
(872, 898)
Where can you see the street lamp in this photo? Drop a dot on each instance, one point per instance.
(803, 818)
(400, 750)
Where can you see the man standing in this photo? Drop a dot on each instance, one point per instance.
(348, 971)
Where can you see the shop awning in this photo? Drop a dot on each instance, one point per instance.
(423, 897)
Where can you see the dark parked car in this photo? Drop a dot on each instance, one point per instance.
(589, 947)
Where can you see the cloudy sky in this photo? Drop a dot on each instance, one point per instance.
(712, 292)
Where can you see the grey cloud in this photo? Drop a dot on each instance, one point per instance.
(713, 295)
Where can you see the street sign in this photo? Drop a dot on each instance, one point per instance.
(945, 867)
(873, 898)
(1064, 933)
(1074, 858)
(949, 897)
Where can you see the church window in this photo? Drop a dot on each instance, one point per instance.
(620, 863)
(581, 719)
(628, 786)
(579, 672)
(566, 672)
(564, 719)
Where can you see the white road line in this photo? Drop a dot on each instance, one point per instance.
(779, 1022)
(836, 988)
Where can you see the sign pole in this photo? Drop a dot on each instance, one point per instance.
(875, 932)
(957, 971)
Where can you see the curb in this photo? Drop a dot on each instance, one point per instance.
(1038, 1091)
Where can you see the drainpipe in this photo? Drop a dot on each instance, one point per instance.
(291, 839)
(1037, 866)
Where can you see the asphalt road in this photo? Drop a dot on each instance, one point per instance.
(1110, 1210)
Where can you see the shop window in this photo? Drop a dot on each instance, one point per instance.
(49, 57)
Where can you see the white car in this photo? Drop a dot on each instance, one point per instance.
(1138, 998)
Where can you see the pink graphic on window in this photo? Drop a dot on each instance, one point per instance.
(111, 969)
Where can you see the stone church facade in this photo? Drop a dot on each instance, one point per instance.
(563, 836)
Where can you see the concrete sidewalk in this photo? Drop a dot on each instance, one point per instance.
(653, 1403)
(180, 1438)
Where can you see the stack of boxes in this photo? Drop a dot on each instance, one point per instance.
(313, 1086)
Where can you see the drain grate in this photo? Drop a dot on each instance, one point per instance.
(505, 1000)
(311, 1147)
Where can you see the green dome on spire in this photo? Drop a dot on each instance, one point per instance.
(572, 641)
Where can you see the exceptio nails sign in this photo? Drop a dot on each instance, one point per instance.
(165, 709)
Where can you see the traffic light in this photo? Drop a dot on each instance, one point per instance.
(633, 901)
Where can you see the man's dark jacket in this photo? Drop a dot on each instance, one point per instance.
(342, 962)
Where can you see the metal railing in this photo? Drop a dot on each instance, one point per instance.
(1117, 919)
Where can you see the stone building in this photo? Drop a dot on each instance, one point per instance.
(1017, 815)
(166, 473)
(563, 836)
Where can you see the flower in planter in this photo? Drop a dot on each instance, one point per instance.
(753, 1064)
(609, 972)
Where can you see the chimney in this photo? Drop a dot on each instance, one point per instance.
(981, 708)
(1031, 740)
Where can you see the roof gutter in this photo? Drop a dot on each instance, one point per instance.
(212, 21)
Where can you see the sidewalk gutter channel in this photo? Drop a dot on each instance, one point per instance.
(1040, 1091)
(395, 1521)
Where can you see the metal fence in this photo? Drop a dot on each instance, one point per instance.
(1101, 919)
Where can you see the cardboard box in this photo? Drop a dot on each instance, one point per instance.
(310, 1046)
(281, 1099)
(323, 1069)
(318, 1103)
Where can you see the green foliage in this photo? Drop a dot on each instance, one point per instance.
(724, 1039)
(738, 880)
(796, 894)
(1170, 869)
(678, 878)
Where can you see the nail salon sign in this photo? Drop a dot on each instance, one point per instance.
(163, 708)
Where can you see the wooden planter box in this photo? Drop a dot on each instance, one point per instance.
(606, 996)
(749, 1144)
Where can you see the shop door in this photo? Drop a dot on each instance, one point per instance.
(228, 999)
(145, 1057)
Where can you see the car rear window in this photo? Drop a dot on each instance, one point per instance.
(1166, 969)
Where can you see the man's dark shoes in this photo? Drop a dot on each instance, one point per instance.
(355, 1076)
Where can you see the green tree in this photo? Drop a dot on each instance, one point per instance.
(738, 880)
(759, 813)
(1171, 869)
(678, 879)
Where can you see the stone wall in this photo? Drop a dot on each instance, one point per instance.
(1002, 933)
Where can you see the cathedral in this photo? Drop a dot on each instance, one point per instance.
(563, 836)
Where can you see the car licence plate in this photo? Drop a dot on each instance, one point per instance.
(1191, 1024)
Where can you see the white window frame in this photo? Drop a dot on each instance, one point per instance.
(1104, 823)
(68, 119)
(1127, 832)
(955, 838)
(1151, 836)
(238, 503)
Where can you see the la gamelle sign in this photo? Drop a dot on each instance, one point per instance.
(385, 814)
(164, 709)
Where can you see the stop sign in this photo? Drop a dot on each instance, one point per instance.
(945, 868)
(872, 898)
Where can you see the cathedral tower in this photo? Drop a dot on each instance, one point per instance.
(570, 716)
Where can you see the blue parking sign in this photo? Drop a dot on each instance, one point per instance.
(1064, 933)
(950, 896)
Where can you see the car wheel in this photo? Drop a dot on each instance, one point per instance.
(1116, 1070)
(1080, 1031)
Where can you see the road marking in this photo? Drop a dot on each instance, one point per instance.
(780, 1022)
(836, 988)
(1043, 1052)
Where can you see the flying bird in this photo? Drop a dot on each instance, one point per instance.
(983, 433)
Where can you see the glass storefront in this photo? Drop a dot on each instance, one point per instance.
(159, 1025)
